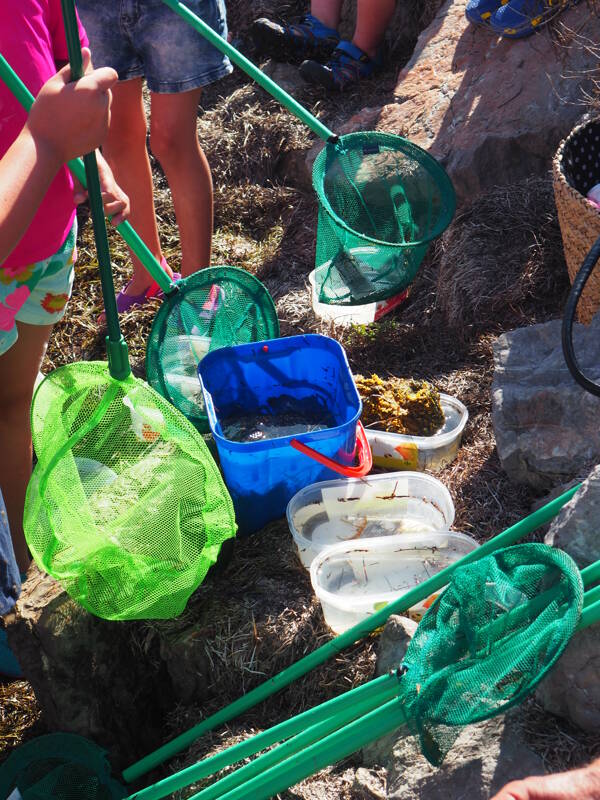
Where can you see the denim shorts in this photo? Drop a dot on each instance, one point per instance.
(36, 294)
(145, 38)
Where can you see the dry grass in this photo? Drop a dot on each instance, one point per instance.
(502, 260)
(19, 714)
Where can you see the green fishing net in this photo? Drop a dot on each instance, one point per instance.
(382, 200)
(126, 507)
(216, 307)
(488, 640)
(61, 766)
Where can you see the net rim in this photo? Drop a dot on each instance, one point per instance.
(431, 164)
(157, 331)
(552, 557)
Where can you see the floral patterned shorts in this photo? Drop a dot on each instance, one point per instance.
(36, 294)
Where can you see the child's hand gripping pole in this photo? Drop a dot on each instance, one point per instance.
(130, 236)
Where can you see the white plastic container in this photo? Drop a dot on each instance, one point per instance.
(353, 580)
(353, 315)
(331, 512)
(397, 451)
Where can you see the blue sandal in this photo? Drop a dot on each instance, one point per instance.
(309, 38)
(347, 65)
(520, 18)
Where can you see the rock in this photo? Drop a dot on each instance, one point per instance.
(393, 643)
(572, 689)
(575, 529)
(546, 425)
(493, 111)
(85, 678)
(285, 75)
(368, 785)
(484, 758)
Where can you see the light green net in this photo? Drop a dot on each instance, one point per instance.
(126, 507)
(216, 307)
(382, 200)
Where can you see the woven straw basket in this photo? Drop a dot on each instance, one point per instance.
(575, 169)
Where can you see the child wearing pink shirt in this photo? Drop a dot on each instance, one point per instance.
(36, 277)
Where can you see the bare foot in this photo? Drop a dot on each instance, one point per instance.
(579, 784)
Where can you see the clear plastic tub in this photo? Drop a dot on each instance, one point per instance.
(353, 315)
(331, 512)
(397, 451)
(355, 579)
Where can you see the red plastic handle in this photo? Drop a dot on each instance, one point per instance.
(363, 452)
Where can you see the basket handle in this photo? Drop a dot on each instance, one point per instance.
(363, 452)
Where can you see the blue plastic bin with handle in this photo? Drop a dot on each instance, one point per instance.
(311, 371)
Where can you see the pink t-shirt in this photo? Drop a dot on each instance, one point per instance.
(32, 40)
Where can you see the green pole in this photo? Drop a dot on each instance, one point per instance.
(118, 360)
(336, 645)
(591, 573)
(591, 597)
(253, 71)
(312, 735)
(374, 692)
(135, 242)
(589, 616)
(321, 754)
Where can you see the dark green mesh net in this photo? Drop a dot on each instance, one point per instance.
(382, 200)
(126, 507)
(60, 766)
(488, 641)
(216, 307)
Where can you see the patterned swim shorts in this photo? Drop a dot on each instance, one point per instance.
(36, 294)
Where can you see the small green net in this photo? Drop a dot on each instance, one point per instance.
(61, 766)
(216, 307)
(382, 200)
(126, 507)
(488, 640)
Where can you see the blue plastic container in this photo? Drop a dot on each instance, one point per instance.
(263, 476)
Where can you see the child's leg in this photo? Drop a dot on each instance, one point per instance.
(327, 11)
(19, 368)
(174, 142)
(125, 151)
(372, 20)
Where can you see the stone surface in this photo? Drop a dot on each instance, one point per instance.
(493, 111)
(394, 640)
(85, 677)
(547, 427)
(368, 785)
(572, 689)
(484, 758)
(575, 528)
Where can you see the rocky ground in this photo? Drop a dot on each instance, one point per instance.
(499, 266)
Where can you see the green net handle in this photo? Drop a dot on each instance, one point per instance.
(118, 360)
(269, 85)
(130, 236)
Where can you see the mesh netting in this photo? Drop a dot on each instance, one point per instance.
(216, 307)
(126, 506)
(382, 200)
(60, 766)
(488, 640)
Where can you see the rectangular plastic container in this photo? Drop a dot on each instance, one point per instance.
(331, 512)
(397, 451)
(353, 580)
(263, 475)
